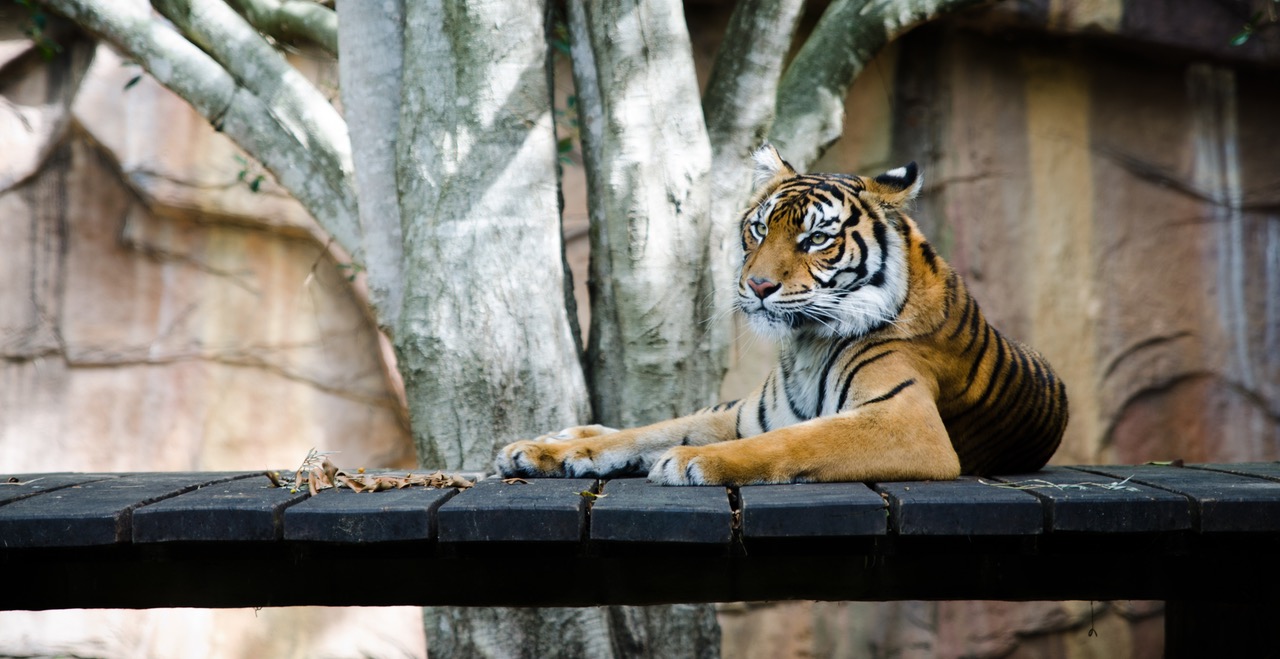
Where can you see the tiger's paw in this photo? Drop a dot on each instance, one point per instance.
(529, 459)
(572, 453)
(682, 465)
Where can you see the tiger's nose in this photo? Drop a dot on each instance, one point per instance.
(762, 287)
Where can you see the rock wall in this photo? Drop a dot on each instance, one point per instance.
(1104, 174)
(157, 313)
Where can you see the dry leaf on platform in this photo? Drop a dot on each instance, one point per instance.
(318, 473)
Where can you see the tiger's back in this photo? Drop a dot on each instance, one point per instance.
(1003, 406)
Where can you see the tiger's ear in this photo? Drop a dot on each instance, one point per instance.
(897, 186)
(770, 170)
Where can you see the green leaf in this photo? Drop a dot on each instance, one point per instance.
(564, 145)
(256, 182)
(132, 81)
(1242, 37)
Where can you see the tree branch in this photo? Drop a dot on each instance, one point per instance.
(738, 106)
(744, 79)
(292, 21)
(261, 126)
(810, 110)
(370, 64)
(233, 43)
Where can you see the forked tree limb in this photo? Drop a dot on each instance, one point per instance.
(268, 121)
(811, 96)
(292, 21)
(738, 107)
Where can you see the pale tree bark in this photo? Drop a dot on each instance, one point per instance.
(370, 63)
(241, 50)
(268, 119)
(647, 157)
(810, 114)
(648, 162)
(739, 105)
(484, 340)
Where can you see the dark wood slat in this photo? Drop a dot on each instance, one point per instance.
(634, 510)
(36, 484)
(97, 513)
(961, 507)
(544, 510)
(1221, 502)
(240, 510)
(382, 574)
(1094, 509)
(344, 516)
(1268, 470)
(812, 509)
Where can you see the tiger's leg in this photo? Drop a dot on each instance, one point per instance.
(584, 452)
(898, 437)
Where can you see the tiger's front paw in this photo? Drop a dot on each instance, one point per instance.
(681, 465)
(529, 459)
(575, 453)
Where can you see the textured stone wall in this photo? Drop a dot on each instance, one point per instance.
(156, 313)
(1104, 174)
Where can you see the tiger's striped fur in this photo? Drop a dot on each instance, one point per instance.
(888, 369)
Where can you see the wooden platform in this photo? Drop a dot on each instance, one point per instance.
(1199, 533)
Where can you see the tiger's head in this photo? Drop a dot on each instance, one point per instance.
(823, 252)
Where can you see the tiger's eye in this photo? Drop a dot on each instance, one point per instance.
(759, 228)
(817, 239)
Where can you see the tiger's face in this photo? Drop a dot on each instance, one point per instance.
(823, 252)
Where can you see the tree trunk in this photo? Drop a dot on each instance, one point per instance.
(651, 355)
(484, 342)
(647, 195)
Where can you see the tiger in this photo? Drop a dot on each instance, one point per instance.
(887, 369)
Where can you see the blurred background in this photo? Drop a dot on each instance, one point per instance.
(1105, 174)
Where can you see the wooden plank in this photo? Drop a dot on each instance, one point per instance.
(15, 487)
(246, 509)
(1221, 502)
(1268, 470)
(96, 513)
(342, 515)
(543, 510)
(961, 507)
(634, 510)
(812, 510)
(1088, 503)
